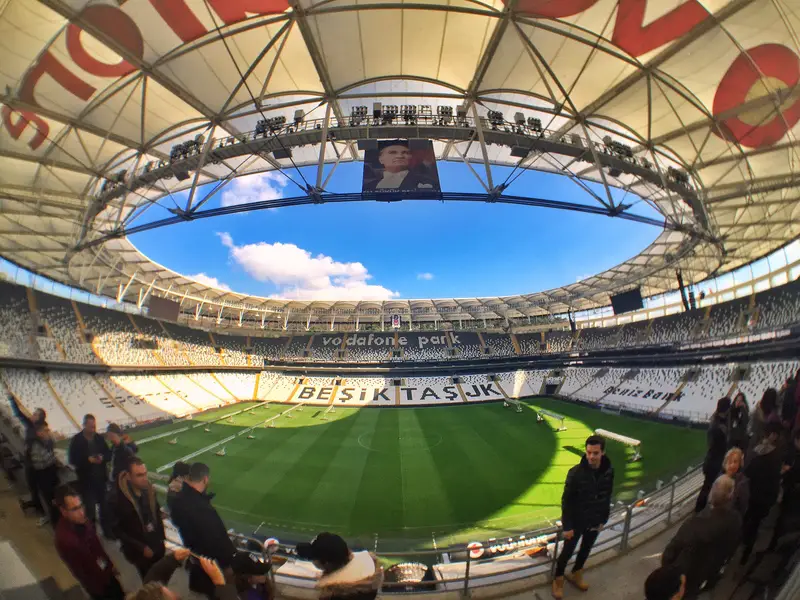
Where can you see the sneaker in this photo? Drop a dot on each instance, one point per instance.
(576, 579)
(558, 588)
(42, 521)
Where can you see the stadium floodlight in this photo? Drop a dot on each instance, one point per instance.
(276, 123)
(409, 113)
(445, 114)
(678, 176)
(495, 118)
(357, 115)
(519, 118)
(535, 124)
(389, 113)
(261, 128)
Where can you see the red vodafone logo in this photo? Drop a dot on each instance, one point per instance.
(475, 549)
(744, 81)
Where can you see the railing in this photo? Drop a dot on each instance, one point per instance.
(521, 561)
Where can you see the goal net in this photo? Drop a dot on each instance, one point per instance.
(542, 413)
(630, 442)
(512, 403)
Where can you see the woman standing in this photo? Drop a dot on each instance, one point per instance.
(717, 445)
(740, 420)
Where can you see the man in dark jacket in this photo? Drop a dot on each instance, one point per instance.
(706, 542)
(122, 449)
(28, 423)
(79, 547)
(89, 455)
(201, 528)
(137, 517)
(764, 472)
(790, 503)
(585, 508)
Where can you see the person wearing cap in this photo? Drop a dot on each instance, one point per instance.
(346, 575)
(201, 528)
(665, 583)
(717, 437)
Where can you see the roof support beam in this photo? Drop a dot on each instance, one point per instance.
(484, 153)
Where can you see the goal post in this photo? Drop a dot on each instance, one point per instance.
(512, 403)
(623, 439)
(541, 413)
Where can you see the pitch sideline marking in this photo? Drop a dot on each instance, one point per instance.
(169, 465)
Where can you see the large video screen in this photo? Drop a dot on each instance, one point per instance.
(161, 308)
(397, 166)
(627, 301)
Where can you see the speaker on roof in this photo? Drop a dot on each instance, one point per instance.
(519, 151)
(376, 109)
(282, 153)
(367, 144)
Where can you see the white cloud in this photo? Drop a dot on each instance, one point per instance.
(301, 276)
(424, 276)
(208, 280)
(255, 188)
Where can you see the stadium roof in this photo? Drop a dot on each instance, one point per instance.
(91, 89)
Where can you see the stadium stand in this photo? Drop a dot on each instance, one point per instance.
(16, 326)
(699, 395)
(324, 348)
(575, 379)
(724, 318)
(269, 348)
(530, 343)
(32, 390)
(296, 348)
(149, 390)
(466, 344)
(196, 344)
(59, 316)
(778, 307)
(234, 352)
(645, 390)
(135, 405)
(499, 344)
(597, 338)
(673, 329)
(241, 385)
(761, 376)
(192, 392)
(266, 381)
(599, 384)
(81, 394)
(559, 341)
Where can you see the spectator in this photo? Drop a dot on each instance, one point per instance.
(787, 402)
(717, 437)
(122, 449)
(79, 547)
(251, 577)
(180, 470)
(28, 423)
(89, 455)
(585, 507)
(764, 472)
(665, 583)
(201, 528)
(346, 575)
(740, 419)
(138, 523)
(733, 467)
(790, 503)
(765, 412)
(156, 579)
(706, 542)
(45, 468)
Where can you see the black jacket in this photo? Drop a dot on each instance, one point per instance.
(137, 522)
(703, 545)
(27, 424)
(717, 440)
(119, 458)
(162, 572)
(740, 419)
(586, 502)
(764, 472)
(80, 449)
(202, 531)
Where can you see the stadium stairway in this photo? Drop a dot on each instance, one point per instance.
(60, 401)
(515, 342)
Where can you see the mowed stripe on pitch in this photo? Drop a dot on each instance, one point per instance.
(379, 497)
(334, 496)
(426, 501)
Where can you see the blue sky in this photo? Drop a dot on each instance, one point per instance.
(402, 249)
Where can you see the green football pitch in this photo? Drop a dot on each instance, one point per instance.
(410, 475)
